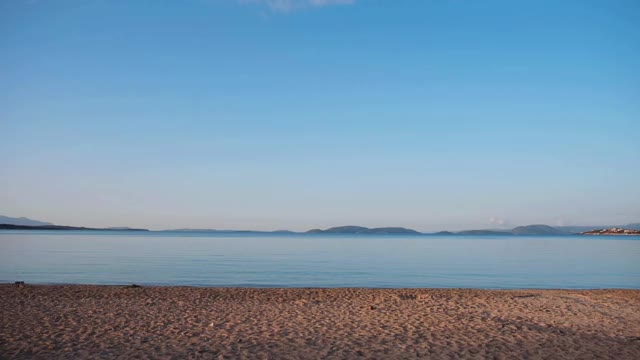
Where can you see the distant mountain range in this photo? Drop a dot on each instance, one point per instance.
(230, 231)
(61, 227)
(536, 230)
(22, 223)
(481, 232)
(364, 230)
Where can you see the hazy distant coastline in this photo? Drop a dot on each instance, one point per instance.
(61, 227)
(9, 223)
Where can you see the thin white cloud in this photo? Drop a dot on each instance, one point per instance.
(498, 221)
(291, 5)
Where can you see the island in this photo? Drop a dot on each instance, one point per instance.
(539, 229)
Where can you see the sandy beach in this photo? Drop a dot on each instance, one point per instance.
(79, 321)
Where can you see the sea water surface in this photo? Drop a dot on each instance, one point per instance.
(209, 259)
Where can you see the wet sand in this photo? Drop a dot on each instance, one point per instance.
(78, 321)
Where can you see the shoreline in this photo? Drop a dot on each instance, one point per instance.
(280, 287)
(111, 321)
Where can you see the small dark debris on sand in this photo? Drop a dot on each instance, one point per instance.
(526, 296)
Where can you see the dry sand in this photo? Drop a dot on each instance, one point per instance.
(51, 322)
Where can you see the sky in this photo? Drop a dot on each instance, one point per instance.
(300, 114)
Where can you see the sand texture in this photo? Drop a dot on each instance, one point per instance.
(56, 322)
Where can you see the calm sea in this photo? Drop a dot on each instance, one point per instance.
(200, 259)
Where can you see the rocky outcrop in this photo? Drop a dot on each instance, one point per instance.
(612, 231)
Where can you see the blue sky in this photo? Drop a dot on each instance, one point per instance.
(443, 114)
